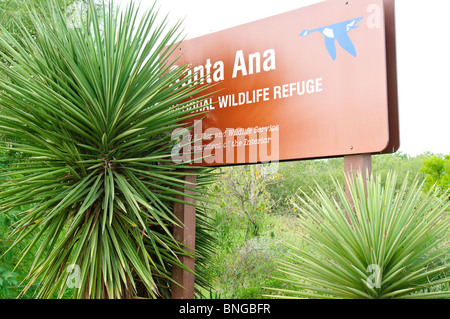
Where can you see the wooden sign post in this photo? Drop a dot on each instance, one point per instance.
(186, 235)
(356, 165)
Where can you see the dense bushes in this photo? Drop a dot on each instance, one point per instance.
(437, 170)
(245, 259)
(234, 266)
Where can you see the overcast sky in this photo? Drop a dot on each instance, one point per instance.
(422, 55)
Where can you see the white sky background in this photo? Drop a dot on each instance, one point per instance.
(423, 57)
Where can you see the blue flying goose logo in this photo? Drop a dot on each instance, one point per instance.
(337, 32)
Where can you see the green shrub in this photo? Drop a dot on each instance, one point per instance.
(396, 244)
(243, 272)
(437, 170)
(93, 106)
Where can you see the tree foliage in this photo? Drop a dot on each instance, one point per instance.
(437, 170)
(242, 191)
(15, 17)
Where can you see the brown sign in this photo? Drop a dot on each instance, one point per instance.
(315, 82)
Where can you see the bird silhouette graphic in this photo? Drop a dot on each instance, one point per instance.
(337, 32)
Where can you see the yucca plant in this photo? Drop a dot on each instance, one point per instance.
(394, 245)
(93, 105)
